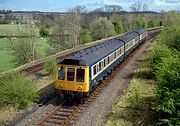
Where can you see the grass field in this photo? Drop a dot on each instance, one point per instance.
(13, 29)
(6, 58)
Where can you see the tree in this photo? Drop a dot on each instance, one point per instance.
(85, 35)
(25, 49)
(102, 28)
(118, 26)
(66, 32)
(136, 7)
(139, 22)
(112, 8)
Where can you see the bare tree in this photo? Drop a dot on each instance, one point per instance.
(136, 7)
(145, 7)
(112, 8)
(67, 29)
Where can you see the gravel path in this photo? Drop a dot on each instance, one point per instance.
(96, 113)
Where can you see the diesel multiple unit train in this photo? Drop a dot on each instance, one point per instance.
(80, 73)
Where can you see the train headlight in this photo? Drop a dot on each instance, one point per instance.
(60, 86)
(79, 89)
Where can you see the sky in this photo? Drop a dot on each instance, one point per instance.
(63, 5)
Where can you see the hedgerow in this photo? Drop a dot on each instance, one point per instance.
(165, 64)
(16, 91)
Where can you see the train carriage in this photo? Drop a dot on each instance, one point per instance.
(79, 73)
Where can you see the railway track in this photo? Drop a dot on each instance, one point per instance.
(65, 114)
(39, 64)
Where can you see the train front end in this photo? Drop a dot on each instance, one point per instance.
(72, 79)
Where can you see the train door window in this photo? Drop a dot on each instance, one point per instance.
(94, 70)
(80, 75)
(62, 71)
(100, 66)
(70, 74)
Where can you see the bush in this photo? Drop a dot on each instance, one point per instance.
(135, 98)
(168, 73)
(118, 26)
(165, 62)
(85, 35)
(16, 91)
(44, 32)
(50, 67)
(168, 106)
(102, 28)
(170, 36)
(158, 52)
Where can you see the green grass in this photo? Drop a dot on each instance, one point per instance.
(134, 107)
(43, 47)
(5, 56)
(6, 59)
(130, 110)
(12, 29)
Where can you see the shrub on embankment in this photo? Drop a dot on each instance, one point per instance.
(16, 91)
(165, 64)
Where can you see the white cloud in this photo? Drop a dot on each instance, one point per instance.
(166, 2)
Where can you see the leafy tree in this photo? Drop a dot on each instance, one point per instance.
(85, 35)
(139, 22)
(102, 28)
(151, 23)
(118, 26)
(25, 49)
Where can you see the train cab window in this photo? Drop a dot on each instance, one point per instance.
(70, 74)
(94, 70)
(80, 75)
(61, 73)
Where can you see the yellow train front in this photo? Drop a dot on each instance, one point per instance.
(72, 78)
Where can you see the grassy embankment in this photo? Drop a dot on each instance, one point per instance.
(153, 101)
(134, 107)
(6, 58)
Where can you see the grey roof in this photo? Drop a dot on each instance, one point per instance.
(140, 31)
(94, 54)
(128, 37)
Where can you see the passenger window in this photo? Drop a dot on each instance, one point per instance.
(114, 55)
(61, 73)
(99, 66)
(104, 63)
(70, 74)
(108, 59)
(94, 70)
(80, 75)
